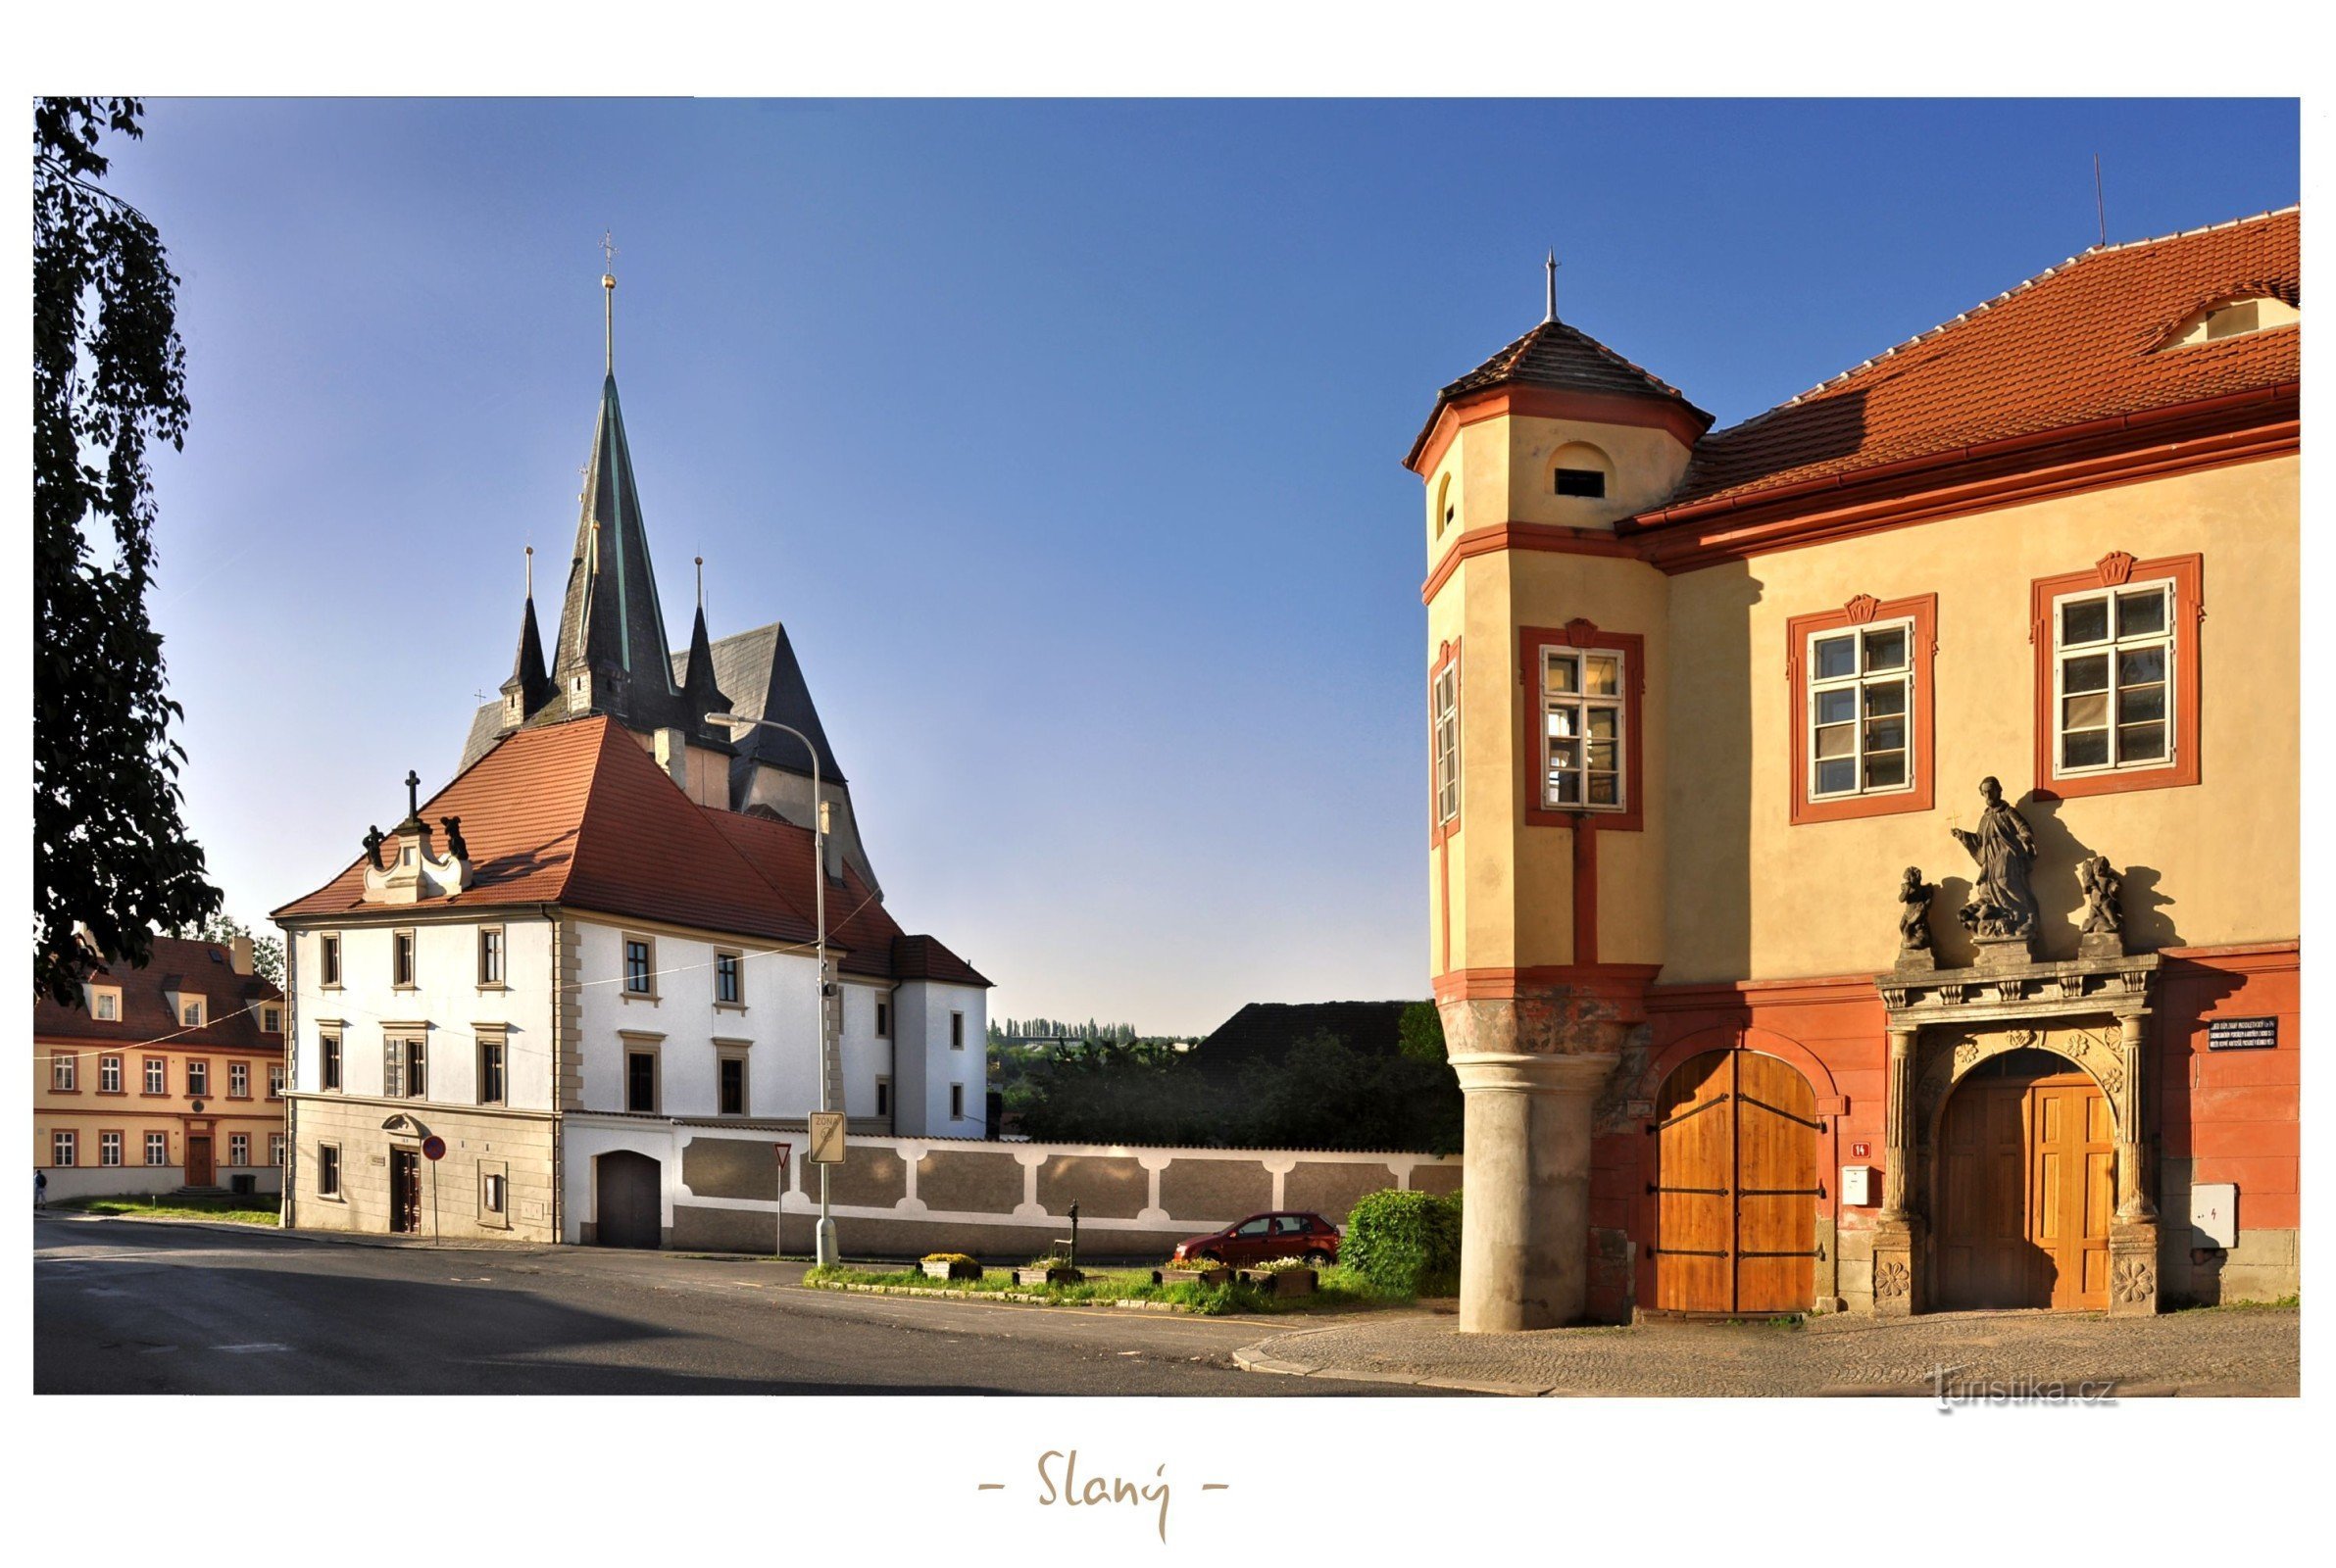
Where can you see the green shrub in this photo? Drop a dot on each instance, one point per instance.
(1408, 1242)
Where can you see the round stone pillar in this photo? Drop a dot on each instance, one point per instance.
(1526, 1217)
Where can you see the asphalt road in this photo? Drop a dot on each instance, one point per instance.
(128, 1306)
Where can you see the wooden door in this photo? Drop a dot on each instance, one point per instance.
(1736, 1187)
(199, 1172)
(628, 1210)
(2027, 1178)
(405, 1191)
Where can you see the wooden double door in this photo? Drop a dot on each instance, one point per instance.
(2026, 1187)
(1736, 1187)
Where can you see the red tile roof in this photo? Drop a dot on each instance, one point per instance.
(2076, 343)
(925, 958)
(579, 814)
(196, 968)
(1563, 357)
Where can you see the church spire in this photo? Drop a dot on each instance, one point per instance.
(529, 684)
(698, 690)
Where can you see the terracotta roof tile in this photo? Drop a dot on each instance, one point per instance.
(199, 968)
(925, 958)
(2078, 342)
(1554, 354)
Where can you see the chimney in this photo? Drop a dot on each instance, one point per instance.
(239, 955)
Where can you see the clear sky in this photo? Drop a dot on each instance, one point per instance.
(1066, 438)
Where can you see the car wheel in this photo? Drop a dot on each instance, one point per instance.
(1317, 1258)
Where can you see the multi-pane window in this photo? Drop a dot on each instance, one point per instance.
(105, 1006)
(61, 1149)
(637, 965)
(158, 1148)
(328, 1053)
(109, 1075)
(276, 1080)
(239, 1149)
(198, 1078)
(490, 956)
(64, 1070)
(404, 1069)
(733, 1086)
(157, 1075)
(1581, 730)
(109, 1149)
(276, 1149)
(328, 1170)
(2113, 669)
(727, 987)
(239, 1080)
(329, 960)
(272, 1020)
(640, 1080)
(1861, 692)
(1447, 741)
(190, 1015)
(401, 957)
(490, 1070)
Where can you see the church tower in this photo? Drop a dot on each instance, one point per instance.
(1546, 641)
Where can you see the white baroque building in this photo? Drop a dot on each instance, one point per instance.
(600, 934)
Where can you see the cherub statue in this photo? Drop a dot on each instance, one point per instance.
(2104, 910)
(1913, 911)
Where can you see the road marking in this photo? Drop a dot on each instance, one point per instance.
(246, 1349)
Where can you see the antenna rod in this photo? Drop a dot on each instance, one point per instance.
(1553, 286)
(531, 571)
(2099, 202)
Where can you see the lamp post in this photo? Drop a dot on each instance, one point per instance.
(824, 1249)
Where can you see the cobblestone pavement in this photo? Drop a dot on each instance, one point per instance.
(2253, 1351)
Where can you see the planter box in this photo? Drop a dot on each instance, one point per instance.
(1280, 1280)
(1056, 1274)
(950, 1270)
(1218, 1274)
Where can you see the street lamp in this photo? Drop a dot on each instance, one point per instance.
(824, 1249)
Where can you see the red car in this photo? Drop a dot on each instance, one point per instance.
(1262, 1238)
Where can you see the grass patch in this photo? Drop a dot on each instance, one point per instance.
(2291, 1302)
(239, 1208)
(1335, 1288)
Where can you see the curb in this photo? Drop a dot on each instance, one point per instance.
(1017, 1297)
(337, 1238)
(1252, 1359)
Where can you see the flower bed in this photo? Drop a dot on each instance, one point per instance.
(949, 1266)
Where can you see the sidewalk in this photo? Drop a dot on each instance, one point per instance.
(67, 1217)
(2232, 1352)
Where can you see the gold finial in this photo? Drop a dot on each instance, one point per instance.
(608, 285)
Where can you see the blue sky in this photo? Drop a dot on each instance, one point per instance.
(1066, 438)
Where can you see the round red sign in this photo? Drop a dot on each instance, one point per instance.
(433, 1147)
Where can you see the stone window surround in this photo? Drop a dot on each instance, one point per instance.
(329, 960)
(331, 1041)
(1585, 635)
(1919, 795)
(2118, 569)
(625, 991)
(740, 1052)
(328, 1164)
(738, 968)
(631, 1044)
(487, 1036)
(405, 941)
(502, 958)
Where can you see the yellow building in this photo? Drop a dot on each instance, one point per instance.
(1743, 1025)
(161, 1078)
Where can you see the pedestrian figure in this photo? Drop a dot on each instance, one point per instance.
(40, 1188)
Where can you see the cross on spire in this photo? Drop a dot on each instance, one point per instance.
(413, 797)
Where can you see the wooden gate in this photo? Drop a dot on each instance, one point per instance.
(405, 1191)
(2028, 1183)
(627, 1210)
(1736, 1187)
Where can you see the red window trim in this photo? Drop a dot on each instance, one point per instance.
(1581, 633)
(2115, 570)
(1446, 658)
(1864, 608)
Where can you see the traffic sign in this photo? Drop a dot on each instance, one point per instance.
(826, 1138)
(433, 1147)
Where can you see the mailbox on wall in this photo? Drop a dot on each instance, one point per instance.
(1856, 1185)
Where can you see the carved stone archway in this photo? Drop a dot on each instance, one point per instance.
(1942, 1024)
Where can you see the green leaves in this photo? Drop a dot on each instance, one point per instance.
(1405, 1242)
(108, 382)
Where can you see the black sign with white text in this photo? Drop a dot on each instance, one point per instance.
(2241, 1034)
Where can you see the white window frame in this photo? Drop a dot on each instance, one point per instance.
(239, 1150)
(201, 1066)
(109, 1075)
(2113, 647)
(1445, 716)
(276, 1149)
(1857, 681)
(109, 1149)
(275, 1080)
(155, 1073)
(239, 1080)
(190, 1014)
(158, 1143)
(105, 1006)
(272, 1020)
(64, 1072)
(1581, 704)
(62, 1150)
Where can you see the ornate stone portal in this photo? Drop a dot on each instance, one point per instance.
(2093, 1010)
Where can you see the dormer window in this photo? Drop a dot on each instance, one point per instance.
(190, 1013)
(2229, 319)
(105, 1005)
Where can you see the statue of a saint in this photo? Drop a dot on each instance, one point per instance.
(373, 840)
(2104, 909)
(1913, 911)
(2000, 904)
(455, 846)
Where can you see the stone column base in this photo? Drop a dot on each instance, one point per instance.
(1897, 1267)
(2132, 1268)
